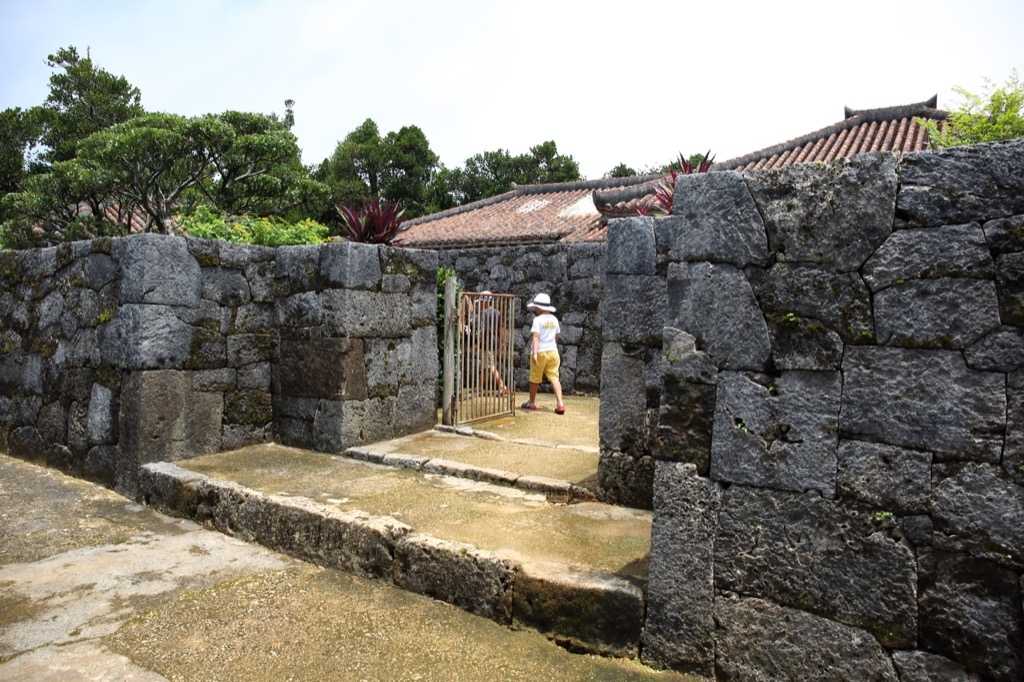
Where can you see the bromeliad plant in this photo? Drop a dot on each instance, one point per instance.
(376, 222)
(665, 190)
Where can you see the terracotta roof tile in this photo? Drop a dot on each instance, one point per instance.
(529, 213)
(569, 211)
(870, 130)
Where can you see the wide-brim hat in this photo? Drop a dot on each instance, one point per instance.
(541, 302)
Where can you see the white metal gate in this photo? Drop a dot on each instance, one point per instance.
(480, 330)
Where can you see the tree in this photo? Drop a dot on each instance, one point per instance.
(16, 134)
(408, 167)
(83, 100)
(621, 171)
(160, 164)
(994, 115)
(365, 166)
(492, 173)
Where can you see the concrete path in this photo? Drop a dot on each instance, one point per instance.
(95, 587)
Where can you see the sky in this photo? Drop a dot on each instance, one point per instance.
(610, 82)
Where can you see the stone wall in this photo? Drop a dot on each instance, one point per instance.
(154, 348)
(819, 387)
(571, 273)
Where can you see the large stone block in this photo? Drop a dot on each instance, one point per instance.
(758, 640)
(978, 509)
(1001, 350)
(621, 424)
(363, 314)
(685, 421)
(715, 304)
(777, 432)
(679, 627)
(937, 313)
(630, 247)
(971, 613)
(811, 554)
(103, 415)
(960, 184)
(351, 265)
(803, 343)
(836, 301)
(921, 666)
(634, 308)
(927, 400)
(827, 214)
(930, 253)
(682, 359)
(1005, 235)
(1010, 283)
(158, 269)
(332, 368)
(298, 267)
(145, 337)
(885, 477)
(163, 419)
(304, 309)
(225, 287)
(625, 480)
(714, 219)
(581, 609)
(456, 573)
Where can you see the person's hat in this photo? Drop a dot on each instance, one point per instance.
(541, 302)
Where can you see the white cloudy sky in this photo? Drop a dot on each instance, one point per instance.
(609, 82)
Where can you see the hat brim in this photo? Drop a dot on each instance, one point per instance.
(538, 306)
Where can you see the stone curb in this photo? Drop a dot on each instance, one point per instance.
(555, 489)
(584, 610)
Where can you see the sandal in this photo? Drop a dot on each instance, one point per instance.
(528, 406)
(560, 409)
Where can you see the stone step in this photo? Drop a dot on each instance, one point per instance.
(488, 541)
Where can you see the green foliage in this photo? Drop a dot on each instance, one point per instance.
(83, 100)
(206, 223)
(621, 171)
(492, 173)
(993, 115)
(158, 164)
(393, 168)
(376, 222)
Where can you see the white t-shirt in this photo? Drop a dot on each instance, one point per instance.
(547, 327)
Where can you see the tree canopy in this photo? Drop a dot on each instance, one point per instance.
(366, 166)
(993, 115)
(491, 173)
(161, 164)
(83, 100)
(90, 150)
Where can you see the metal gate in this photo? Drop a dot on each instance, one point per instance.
(481, 332)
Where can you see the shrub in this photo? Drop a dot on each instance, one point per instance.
(375, 223)
(205, 223)
(994, 115)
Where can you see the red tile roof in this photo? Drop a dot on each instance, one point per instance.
(870, 130)
(578, 211)
(529, 213)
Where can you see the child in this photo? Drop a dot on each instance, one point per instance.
(544, 358)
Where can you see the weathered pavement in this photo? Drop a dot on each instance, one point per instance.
(93, 586)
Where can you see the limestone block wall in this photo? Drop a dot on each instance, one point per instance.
(820, 390)
(154, 348)
(571, 273)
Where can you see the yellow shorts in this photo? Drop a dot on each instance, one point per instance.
(547, 363)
